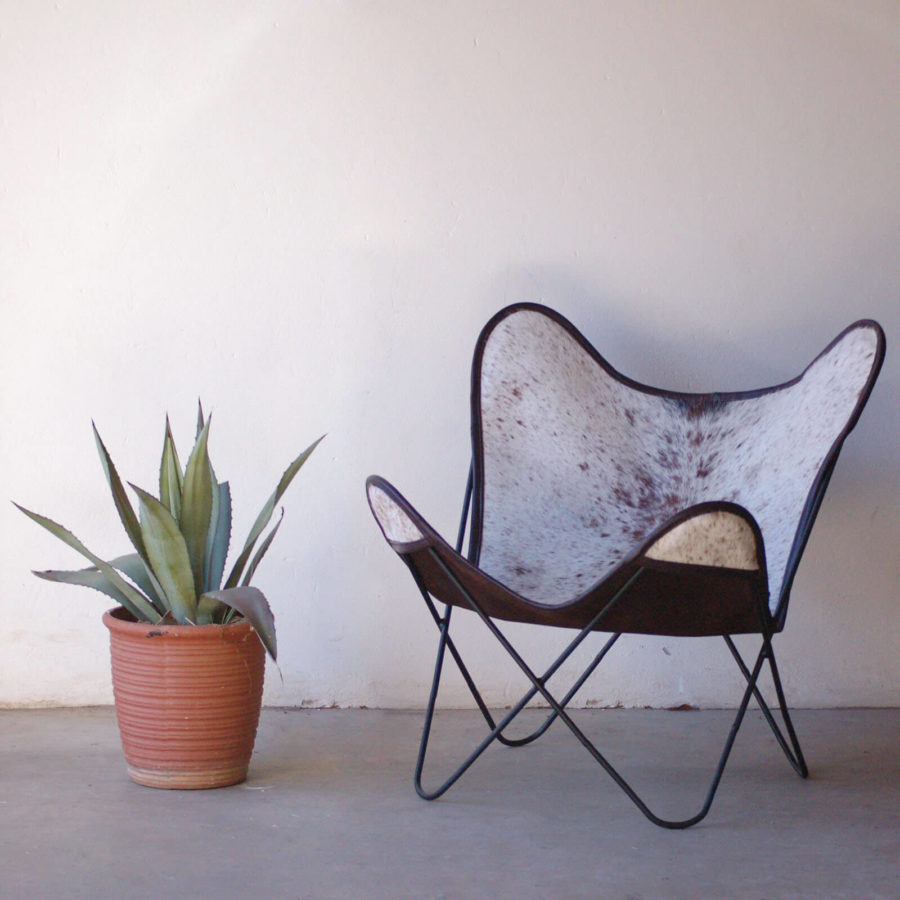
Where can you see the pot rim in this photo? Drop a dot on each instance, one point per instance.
(121, 620)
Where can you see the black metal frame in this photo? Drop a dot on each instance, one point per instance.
(793, 751)
(424, 557)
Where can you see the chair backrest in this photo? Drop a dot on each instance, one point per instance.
(575, 464)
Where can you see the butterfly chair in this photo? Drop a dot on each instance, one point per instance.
(601, 504)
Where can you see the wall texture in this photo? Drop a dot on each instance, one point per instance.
(303, 213)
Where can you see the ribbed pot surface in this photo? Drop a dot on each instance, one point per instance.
(187, 700)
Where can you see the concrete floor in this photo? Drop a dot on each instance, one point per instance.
(329, 812)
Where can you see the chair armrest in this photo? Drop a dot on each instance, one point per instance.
(403, 528)
(722, 535)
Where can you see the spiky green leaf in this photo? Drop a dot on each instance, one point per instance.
(140, 573)
(168, 555)
(196, 506)
(200, 422)
(170, 477)
(262, 520)
(261, 552)
(91, 578)
(218, 539)
(210, 535)
(138, 604)
(120, 498)
(251, 603)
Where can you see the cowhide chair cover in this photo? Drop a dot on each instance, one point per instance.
(584, 482)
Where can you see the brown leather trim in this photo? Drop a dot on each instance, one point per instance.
(668, 599)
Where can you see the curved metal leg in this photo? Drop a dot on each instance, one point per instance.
(538, 686)
(446, 643)
(794, 753)
(521, 742)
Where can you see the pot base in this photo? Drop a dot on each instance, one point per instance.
(188, 781)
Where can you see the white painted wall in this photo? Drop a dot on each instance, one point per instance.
(304, 212)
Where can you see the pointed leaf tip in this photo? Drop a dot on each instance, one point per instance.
(120, 498)
(136, 602)
(171, 479)
(262, 520)
(197, 505)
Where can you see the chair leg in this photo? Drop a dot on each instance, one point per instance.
(496, 729)
(576, 687)
(794, 752)
(558, 707)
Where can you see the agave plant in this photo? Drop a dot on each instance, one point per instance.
(181, 541)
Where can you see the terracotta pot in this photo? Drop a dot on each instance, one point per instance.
(187, 699)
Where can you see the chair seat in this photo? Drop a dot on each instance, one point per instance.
(672, 597)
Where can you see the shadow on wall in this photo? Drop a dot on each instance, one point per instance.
(852, 554)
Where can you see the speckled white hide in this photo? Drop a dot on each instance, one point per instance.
(397, 526)
(715, 538)
(580, 467)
